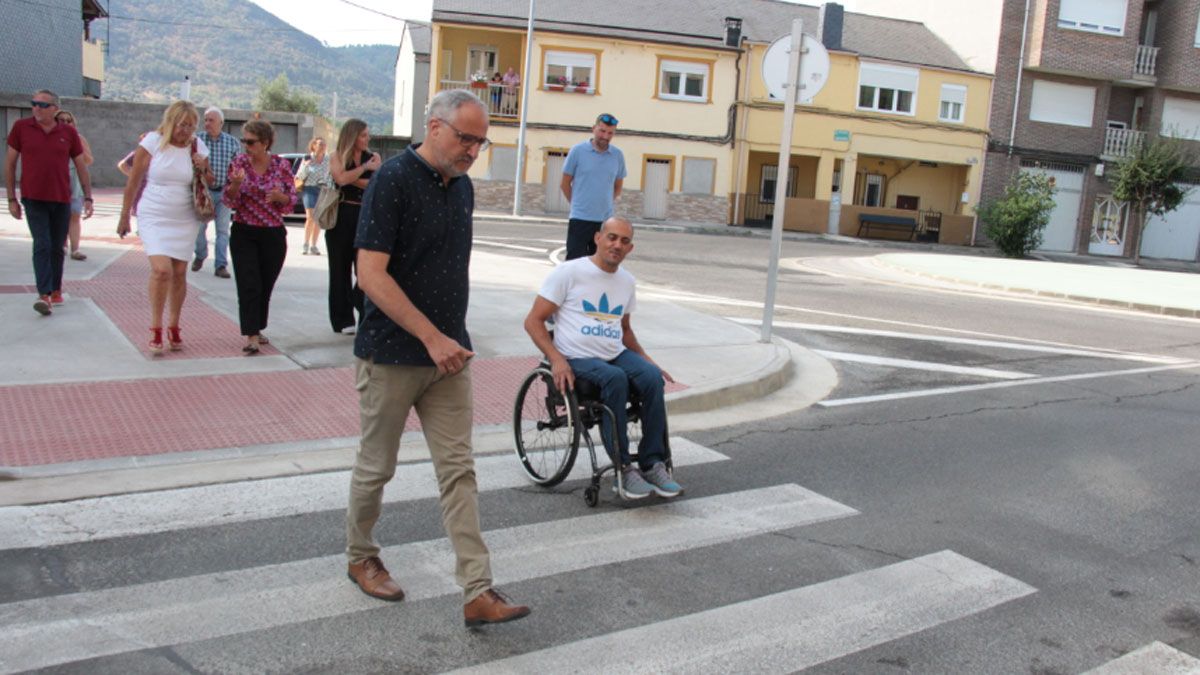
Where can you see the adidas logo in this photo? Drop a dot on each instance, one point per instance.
(603, 313)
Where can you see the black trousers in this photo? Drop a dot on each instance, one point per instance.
(257, 254)
(344, 294)
(581, 237)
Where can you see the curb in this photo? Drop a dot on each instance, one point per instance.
(1162, 310)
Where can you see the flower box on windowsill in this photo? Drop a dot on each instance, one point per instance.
(479, 85)
(554, 87)
(582, 89)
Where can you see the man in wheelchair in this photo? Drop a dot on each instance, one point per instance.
(591, 300)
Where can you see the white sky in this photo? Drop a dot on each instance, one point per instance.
(339, 23)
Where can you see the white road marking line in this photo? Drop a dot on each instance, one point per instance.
(178, 509)
(516, 247)
(61, 629)
(922, 365)
(941, 391)
(1017, 346)
(1155, 657)
(792, 630)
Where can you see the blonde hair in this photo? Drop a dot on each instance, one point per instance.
(173, 115)
(351, 128)
(313, 144)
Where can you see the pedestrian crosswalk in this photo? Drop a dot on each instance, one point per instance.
(780, 631)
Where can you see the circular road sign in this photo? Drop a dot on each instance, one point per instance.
(814, 68)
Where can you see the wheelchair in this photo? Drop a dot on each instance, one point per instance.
(548, 426)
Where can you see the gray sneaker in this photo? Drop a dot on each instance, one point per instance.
(633, 486)
(662, 482)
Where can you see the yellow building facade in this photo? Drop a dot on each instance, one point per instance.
(700, 133)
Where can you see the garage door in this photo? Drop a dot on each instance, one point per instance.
(1175, 236)
(1061, 232)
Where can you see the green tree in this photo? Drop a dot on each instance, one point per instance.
(278, 95)
(1016, 219)
(1148, 180)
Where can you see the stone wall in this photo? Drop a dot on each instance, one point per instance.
(112, 128)
(497, 195)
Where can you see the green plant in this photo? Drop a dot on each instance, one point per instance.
(1015, 220)
(277, 95)
(1149, 179)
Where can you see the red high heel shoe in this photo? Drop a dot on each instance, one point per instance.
(174, 341)
(156, 343)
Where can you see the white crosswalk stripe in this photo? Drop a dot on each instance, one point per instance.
(66, 628)
(164, 511)
(793, 630)
(1156, 658)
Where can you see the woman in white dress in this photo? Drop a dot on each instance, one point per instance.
(167, 221)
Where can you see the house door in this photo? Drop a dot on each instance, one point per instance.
(1176, 235)
(873, 190)
(1060, 232)
(1109, 218)
(655, 187)
(556, 201)
(482, 60)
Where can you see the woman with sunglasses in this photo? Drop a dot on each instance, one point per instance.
(352, 167)
(167, 220)
(260, 192)
(76, 226)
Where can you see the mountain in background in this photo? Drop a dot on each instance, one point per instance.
(227, 47)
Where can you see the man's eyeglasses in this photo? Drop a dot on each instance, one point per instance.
(249, 141)
(467, 140)
(607, 119)
(41, 104)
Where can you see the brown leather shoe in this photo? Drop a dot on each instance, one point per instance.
(491, 607)
(373, 578)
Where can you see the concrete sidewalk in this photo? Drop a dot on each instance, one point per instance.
(81, 395)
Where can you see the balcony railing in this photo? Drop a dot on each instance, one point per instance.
(502, 100)
(1147, 58)
(1122, 142)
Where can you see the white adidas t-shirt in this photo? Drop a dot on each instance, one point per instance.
(591, 304)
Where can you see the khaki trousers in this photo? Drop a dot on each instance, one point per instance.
(444, 406)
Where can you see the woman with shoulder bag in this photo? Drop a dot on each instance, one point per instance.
(351, 168)
(312, 176)
(168, 159)
(261, 190)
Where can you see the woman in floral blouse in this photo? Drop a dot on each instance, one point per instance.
(261, 190)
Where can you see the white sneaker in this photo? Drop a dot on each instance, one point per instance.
(349, 330)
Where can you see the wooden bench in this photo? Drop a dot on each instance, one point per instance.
(886, 224)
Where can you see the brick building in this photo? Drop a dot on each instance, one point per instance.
(1096, 78)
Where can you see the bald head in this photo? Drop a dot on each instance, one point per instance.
(619, 225)
(614, 241)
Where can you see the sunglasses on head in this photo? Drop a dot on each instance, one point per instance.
(41, 104)
(607, 119)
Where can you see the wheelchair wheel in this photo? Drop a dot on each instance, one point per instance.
(546, 429)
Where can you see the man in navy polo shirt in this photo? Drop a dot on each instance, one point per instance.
(414, 249)
(44, 148)
(591, 180)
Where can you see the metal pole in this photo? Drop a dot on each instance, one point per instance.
(781, 174)
(524, 111)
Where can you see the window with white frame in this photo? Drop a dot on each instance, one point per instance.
(574, 70)
(1096, 16)
(887, 88)
(683, 80)
(1059, 103)
(1181, 118)
(954, 98)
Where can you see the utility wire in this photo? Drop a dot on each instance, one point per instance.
(192, 24)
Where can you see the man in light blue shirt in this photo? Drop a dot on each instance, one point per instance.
(591, 180)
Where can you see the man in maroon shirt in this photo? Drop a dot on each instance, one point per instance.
(44, 147)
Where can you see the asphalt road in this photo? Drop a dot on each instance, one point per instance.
(995, 486)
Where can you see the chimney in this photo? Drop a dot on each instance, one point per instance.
(733, 31)
(832, 18)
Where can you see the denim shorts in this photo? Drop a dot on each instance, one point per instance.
(76, 205)
(310, 194)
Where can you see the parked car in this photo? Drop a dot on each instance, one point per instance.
(295, 158)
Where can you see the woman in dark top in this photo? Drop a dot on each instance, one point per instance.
(351, 169)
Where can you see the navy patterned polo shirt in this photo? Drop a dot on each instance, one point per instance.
(425, 226)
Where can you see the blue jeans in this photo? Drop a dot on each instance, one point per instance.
(48, 223)
(221, 219)
(614, 379)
